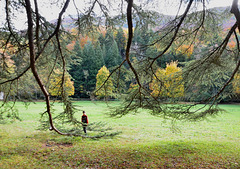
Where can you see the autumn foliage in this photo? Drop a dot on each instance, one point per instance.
(186, 50)
(168, 82)
(56, 84)
(236, 83)
(104, 88)
(6, 62)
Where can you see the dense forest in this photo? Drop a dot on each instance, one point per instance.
(108, 49)
(105, 47)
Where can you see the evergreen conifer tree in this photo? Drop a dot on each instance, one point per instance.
(88, 66)
(75, 66)
(121, 41)
(112, 52)
(99, 56)
(101, 39)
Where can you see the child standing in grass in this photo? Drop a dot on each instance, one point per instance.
(84, 121)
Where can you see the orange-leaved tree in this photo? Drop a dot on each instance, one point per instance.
(168, 82)
(186, 50)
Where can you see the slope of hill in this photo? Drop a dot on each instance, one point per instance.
(227, 22)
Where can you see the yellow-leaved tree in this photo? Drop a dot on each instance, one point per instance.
(157, 85)
(236, 83)
(56, 84)
(7, 65)
(168, 82)
(7, 69)
(104, 89)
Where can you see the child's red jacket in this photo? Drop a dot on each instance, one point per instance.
(84, 119)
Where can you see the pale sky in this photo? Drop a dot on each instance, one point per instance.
(171, 7)
(50, 11)
(218, 3)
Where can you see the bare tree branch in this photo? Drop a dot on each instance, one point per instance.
(32, 60)
(236, 12)
(130, 36)
(175, 33)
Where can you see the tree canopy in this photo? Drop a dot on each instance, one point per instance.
(168, 82)
(104, 86)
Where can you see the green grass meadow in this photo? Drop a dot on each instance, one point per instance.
(145, 142)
